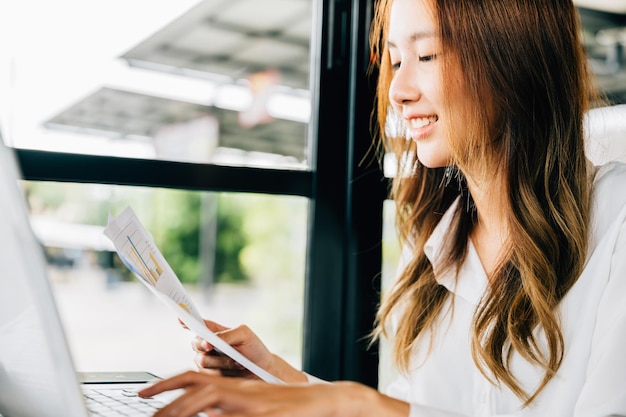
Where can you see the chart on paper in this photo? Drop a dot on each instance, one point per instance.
(140, 254)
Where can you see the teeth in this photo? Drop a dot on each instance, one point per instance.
(423, 121)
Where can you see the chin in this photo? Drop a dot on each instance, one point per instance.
(433, 156)
(434, 162)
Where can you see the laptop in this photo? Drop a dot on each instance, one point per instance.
(37, 375)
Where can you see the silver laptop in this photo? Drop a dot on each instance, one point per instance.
(37, 375)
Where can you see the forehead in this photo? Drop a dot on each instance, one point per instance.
(411, 20)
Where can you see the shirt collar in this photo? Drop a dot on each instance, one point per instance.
(471, 281)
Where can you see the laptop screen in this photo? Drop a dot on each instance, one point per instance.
(36, 372)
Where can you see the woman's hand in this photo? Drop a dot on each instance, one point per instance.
(219, 396)
(246, 342)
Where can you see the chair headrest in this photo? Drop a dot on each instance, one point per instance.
(605, 132)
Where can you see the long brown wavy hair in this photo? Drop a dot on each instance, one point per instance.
(524, 58)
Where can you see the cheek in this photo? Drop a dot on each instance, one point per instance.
(432, 87)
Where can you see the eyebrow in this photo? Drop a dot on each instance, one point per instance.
(416, 36)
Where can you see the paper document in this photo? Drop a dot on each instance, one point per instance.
(137, 250)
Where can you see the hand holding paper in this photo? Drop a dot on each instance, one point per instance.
(139, 253)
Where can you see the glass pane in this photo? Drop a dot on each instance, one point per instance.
(188, 80)
(241, 257)
(391, 257)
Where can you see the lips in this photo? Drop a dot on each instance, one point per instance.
(419, 127)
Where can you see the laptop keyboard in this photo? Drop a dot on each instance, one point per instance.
(119, 403)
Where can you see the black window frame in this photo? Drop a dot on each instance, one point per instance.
(345, 187)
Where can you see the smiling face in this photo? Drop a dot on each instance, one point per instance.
(416, 90)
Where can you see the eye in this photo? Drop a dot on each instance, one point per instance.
(395, 66)
(428, 58)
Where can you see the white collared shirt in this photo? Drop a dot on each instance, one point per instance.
(591, 381)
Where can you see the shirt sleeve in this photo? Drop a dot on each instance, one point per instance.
(315, 380)
(604, 391)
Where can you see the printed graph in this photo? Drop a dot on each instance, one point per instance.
(140, 253)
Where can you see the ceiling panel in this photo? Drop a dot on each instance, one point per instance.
(207, 40)
(272, 52)
(238, 38)
(126, 115)
(120, 113)
(259, 16)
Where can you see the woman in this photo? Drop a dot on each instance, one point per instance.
(509, 297)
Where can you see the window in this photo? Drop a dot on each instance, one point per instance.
(204, 100)
(240, 256)
(133, 101)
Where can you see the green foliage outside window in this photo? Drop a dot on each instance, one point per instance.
(205, 237)
(173, 217)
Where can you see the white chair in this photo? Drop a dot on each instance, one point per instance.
(606, 134)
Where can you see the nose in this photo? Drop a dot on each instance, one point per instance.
(404, 86)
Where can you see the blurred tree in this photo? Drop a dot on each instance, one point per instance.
(177, 214)
(175, 227)
(275, 249)
(230, 240)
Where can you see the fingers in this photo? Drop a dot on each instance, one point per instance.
(191, 403)
(214, 360)
(200, 345)
(233, 397)
(230, 336)
(207, 359)
(179, 381)
(239, 336)
(215, 327)
(202, 393)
